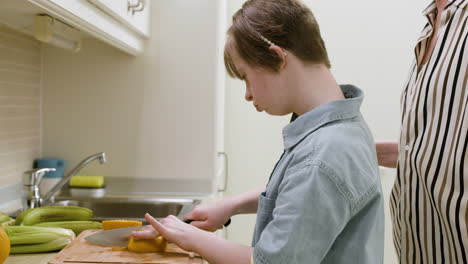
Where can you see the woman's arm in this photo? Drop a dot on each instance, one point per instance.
(387, 153)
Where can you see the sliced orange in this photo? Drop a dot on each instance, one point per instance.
(158, 244)
(113, 224)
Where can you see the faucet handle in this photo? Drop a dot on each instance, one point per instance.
(34, 176)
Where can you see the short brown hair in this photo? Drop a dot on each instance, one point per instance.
(286, 23)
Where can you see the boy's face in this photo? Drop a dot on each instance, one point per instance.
(263, 88)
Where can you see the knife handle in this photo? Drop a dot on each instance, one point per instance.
(188, 221)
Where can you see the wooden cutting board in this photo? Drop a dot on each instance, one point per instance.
(80, 251)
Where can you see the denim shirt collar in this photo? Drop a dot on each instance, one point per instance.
(326, 113)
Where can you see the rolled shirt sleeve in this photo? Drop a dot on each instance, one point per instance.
(308, 214)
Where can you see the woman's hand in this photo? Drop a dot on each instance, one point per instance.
(211, 217)
(387, 153)
(174, 230)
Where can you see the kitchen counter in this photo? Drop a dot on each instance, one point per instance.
(35, 258)
(133, 188)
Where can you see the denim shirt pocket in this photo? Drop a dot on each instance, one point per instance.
(266, 205)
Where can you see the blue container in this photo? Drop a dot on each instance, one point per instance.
(58, 164)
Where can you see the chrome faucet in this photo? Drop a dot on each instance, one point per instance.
(32, 178)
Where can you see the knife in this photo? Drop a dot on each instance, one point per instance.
(225, 225)
(115, 237)
(119, 237)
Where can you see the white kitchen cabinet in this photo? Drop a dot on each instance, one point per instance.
(90, 18)
(132, 13)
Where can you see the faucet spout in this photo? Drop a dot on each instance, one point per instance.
(101, 157)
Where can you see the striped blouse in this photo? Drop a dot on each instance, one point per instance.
(429, 201)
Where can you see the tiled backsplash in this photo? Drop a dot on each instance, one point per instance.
(20, 123)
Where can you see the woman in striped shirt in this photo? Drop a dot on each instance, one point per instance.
(429, 200)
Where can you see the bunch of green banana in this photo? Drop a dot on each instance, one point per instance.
(4, 217)
(76, 226)
(53, 214)
(70, 217)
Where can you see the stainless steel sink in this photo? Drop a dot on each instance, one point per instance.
(130, 208)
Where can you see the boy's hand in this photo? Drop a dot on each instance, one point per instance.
(174, 230)
(146, 232)
(210, 217)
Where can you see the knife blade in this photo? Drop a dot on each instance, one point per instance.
(115, 237)
(119, 237)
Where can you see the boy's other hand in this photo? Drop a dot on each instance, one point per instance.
(209, 217)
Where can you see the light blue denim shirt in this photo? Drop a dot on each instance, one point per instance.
(324, 201)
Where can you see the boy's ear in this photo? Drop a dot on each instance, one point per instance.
(281, 53)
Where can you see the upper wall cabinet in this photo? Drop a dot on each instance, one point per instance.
(132, 13)
(121, 23)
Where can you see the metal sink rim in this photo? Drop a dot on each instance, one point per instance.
(187, 204)
(128, 199)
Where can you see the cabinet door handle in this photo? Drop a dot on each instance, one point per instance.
(140, 6)
(131, 6)
(225, 156)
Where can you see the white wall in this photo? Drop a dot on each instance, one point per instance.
(370, 44)
(153, 114)
(20, 78)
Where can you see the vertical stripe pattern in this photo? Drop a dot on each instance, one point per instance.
(429, 200)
